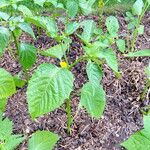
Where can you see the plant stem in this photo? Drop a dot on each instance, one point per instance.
(84, 57)
(69, 118)
(135, 34)
(145, 90)
(26, 74)
(16, 42)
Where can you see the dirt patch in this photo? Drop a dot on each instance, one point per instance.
(122, 115)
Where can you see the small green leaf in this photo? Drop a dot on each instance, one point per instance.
(121, 45)
(110, 57)
(4, 16)
(88, 30)
(19, 82)
(71, 28)
(140, 30)
(7, 85)
(25, 10)
(4, 39)
(3, 103)
(72, 7)
(48, 88)
(94, 72)
(112, 25)
(56, 51)
(10, 141)
(144, 53)
(93, 99)
(141, 139)
(43, 140)
(137, 7)
(27, 55)
(26, 28)
(39, 2)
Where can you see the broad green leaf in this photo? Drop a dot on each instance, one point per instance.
(39, 2)
(46, 23)
(144, 53)
(141, 29)
(7, 85)
(48, 89)
(25, 10)
(4, 15)
(27, 55)
(4, 3)
(112, 25)
(93, 99)
(56, 51)
(148, 2)
(71, 28)
(43, 140)
(72, 8)
(26, 28)
(121, 45)
(19, 82)
(110, 57)
(86, 6)
(4, 39)
(137, 7)
(94, 72)
(141, 139)
(3, 103)
(88, 30)
(10, 141)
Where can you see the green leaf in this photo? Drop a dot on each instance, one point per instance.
(7, 85)
(25, 10)
(140, 30)
(112, 25)
(47, 23)
(43, 140)
(138, 7)
(4, 16)
(121, 45)
(144, 53)
(4, 39)
(3, 103)
(19, 82)
(141, 139)
(94, 72)
(10, 142)
(56, 51)
(27, 55)
(48, 89)
(4, 3)
(86, 6)
(110, 57)
(39, 2)
(93, 99)
(88, 30)
(71, 28)
(26, 28)
(72, 7)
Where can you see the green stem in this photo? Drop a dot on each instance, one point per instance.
(145, 90)
(16, 42)
(69, 117)
(135, 34)
(26, 75)
(84, 57)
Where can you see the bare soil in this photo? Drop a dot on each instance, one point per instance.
(122, 116)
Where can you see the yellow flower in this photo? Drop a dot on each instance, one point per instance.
(63, 64)
(101, 4)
